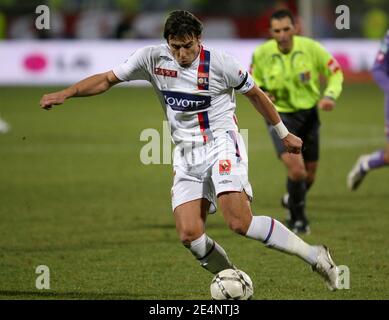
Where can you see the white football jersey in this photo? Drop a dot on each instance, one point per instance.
(198, 101)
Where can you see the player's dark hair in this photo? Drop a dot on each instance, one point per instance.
(181, 24)
(281, 14)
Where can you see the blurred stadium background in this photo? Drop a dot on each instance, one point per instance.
(75, 196)
(91, 36)
(139, 19)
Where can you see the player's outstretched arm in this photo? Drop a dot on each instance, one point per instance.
(90, 86)
(265, 107)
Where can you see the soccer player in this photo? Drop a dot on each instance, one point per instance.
(196, 87)
(380, 158)
(288, 69)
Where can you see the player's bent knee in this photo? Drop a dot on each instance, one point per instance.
(297, 173)
(238, 226)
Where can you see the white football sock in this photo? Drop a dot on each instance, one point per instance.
(210, 254)
(275, 235)
(365, 163)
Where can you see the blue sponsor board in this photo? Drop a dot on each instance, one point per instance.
(179, 101)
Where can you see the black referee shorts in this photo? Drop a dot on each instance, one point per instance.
(305, 124)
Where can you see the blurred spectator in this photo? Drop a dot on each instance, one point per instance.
(263, 21)
(96, 23)
(219, 28)
(164, 5)
(124, 29)
(57, 26)
(149, 24)
(22, 27)
(374, 23)
(324, 20)
(100, 19)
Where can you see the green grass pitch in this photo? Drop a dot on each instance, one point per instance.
(75, 196)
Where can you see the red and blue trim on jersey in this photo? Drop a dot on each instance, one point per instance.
(204, 126)
(203, 69)
(203, 84)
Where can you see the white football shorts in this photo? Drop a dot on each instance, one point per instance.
(207, 170)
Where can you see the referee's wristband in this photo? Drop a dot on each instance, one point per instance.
(281, 130)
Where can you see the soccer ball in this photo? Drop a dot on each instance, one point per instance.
(231, 284)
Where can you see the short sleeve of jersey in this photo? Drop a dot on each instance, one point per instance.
(135, 67)
(236, 76)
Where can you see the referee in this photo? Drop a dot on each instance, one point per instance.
(288, 69)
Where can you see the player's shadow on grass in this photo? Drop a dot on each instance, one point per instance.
(28, 295)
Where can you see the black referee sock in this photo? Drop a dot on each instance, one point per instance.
(297, 191)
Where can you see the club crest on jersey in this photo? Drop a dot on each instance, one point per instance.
(305, 76)
(202, 81)
(165, 72)
(224, 167)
